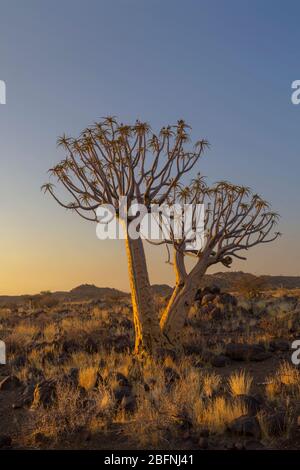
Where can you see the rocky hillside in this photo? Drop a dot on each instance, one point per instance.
(224, 280)
(231, 280)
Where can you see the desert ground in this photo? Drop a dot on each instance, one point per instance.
(71, 381)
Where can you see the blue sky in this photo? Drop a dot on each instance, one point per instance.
(226, 67)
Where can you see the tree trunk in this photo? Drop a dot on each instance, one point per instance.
(175, 315)
(148, 335)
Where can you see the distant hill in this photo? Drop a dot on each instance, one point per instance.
(229, 280)
(224, 280)
(89, 291)
(79, 293)
(161, 289)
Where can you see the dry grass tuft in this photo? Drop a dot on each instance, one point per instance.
(211, 384)
(240, 383)
(219, 413)
(288, 375)
(88, 377)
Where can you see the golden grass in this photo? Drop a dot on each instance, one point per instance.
(284, 383)
(88, 377)
(50, 332)
(22, 336)
(219, 413)
(272, 389)
(211, 384)
(288, 375)
(240, 383)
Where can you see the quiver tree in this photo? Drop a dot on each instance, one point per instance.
(111, 160)
(235, 220)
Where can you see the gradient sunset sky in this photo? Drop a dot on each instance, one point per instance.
(226, 67)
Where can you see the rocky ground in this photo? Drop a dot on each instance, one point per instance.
(71, 381)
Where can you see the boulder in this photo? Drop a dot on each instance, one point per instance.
(129, 404)
(216, 314)
(9, 383)
(120, 392)
(120, 379)
(25, 398)
(246, 352)
(246, 426)
(252, 404)
(228, 299)
(219, 361)
(203, 443)
(207, 298)
(19, 361)
(90, 346)
(44, 393)
(279, 345)
(70, 346)
(126, 324)
(122, 343)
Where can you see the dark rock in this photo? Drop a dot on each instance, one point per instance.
(19, 361)
(70, 346)
(252, 404)
(83, 433)
(129, 404)
(120, 392)
(163, 353)
(279, 345)
(190, 349)
(121, 379)
(260, 356)
(204, 432)
(183, 420)
(215, 290)
(122, 343)
(245, 425)
(228, 299)
(207, 356)
(219, 361)
(198, 296)
(238, 446)
(49, 356)
(25, 398)
(72, 378)
(5, 441)
(126, 324)
(186, 435)
(203, 443)
(253, 445)
(11, 382)
(44, 393)
(35, 374)
(207, 298)
(171, 376)
(41, 438)
(74, 374)
(217, 314)
(246, 352)
(90, 346)
(60, 359)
